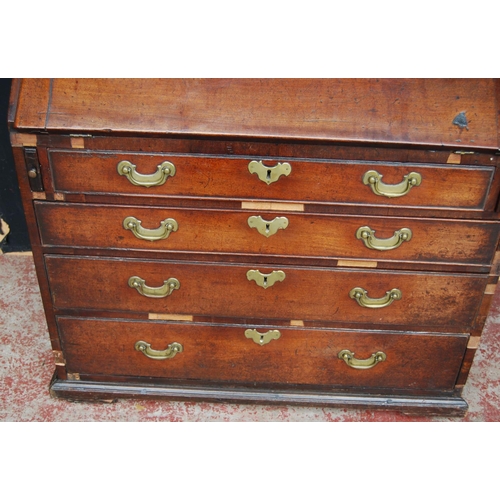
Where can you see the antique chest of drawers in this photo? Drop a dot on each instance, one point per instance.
(315, 242)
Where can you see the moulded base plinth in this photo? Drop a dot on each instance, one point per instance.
(78, 390)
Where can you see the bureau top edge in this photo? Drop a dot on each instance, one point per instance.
(451, 113)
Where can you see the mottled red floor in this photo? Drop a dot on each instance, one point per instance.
(26, 367)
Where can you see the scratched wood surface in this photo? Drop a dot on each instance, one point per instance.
(450, 112)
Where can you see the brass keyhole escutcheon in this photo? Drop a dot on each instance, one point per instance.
(265, 227)
(269, 174)
(265, 280)
(262, 338)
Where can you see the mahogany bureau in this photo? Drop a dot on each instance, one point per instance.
(313, 242)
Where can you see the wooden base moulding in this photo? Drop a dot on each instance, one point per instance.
(78, 390)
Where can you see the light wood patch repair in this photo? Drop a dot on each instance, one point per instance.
(77, 142)
(356, 263)
(454, 158)
(29, 140)
(270, 205)
(171, 317)
(59, 358)
(473, 342)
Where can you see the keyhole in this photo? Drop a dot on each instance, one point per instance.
(265, 281)
(267, 228)
(268, 175)
(261, 339)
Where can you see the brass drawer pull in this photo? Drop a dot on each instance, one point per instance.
(160, 233)
(269, 174)
(362, 364)
(367, 234)
(168, 353)
(265, 280)
(262, 338)
(154, 292)
(164, 170)
(373, 179)
(267, 228)
(360, 295)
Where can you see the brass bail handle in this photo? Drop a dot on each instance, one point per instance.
(360, 295)
(269, 174)
(373, 179)
(154, 292)
(172, 349)
(160, 233)
(361, 364)
(163, 172)
(367, 235)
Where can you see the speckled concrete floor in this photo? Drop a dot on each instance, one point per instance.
(26, 367)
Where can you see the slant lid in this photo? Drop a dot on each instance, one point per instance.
(454, 113)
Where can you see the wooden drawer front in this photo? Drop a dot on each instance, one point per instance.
(428, 300)
(327, 236)
(225, 354)
(308, 181)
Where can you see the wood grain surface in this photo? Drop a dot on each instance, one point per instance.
(331, 132)
(224, 354)
(412, 111)
(225, 231)
(429, 300)
(334, 181)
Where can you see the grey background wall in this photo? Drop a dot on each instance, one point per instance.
(11, 210)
